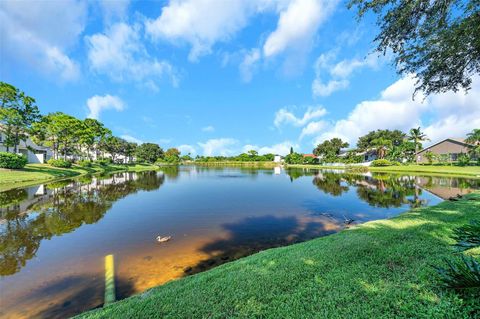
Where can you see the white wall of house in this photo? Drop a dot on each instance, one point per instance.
(39, 155)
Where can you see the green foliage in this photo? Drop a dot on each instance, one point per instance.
(383, 162)
(430, 156)
(294, 158)
(148, 152)
(463, 159)
(366, 142)
(12, 161)
(17, 114)
(473, 137)
(59, 163)
(438, 41)
(85, 163)
(104, 161)
(467, 236)
(330, 149)
(460, 274)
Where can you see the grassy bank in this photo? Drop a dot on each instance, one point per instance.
(34, 174)
(381, 269)
(238, 164)
(439, 170)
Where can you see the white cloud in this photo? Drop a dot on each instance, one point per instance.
(130, 138)
(96, 104)
(40, 34)
(340, 72)
(208, 129)
(200, 23)
(114, 9)
(219, 146)
(187, 149)
(248, 64)
(280, 148)
(297, 25)
(285, 116)
(450, 114)
(313, 128)
(120, 54)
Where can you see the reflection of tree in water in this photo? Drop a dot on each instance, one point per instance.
(12, 197)
(390, 191)
(68, 208)
(171, 171)
(332, 183)
(295, 173)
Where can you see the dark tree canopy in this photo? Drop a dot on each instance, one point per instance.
(438, 41)
(329, 149)
(367, 141)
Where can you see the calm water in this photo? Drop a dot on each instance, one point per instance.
(53, 238)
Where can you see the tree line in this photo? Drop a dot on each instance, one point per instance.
(68, 137)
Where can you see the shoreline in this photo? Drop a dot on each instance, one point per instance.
(49, 174)
(377, 269)
(432, 170)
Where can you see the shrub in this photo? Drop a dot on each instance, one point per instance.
(103, 161)
(85, 163)
(463, 159)
(382, 162)
(59, 163)
(12, 161)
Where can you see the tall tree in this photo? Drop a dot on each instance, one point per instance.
(149, 152)
(438, 41)
(365, 142)
(59, 131)
(473, 137)
(417, 137)
(382, 146)
(93, 135)
(330, 149)
(18, 112)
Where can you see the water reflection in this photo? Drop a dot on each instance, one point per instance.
(57, 209)
(53, 237)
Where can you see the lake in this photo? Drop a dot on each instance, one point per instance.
(54, 237)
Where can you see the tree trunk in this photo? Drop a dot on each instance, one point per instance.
(416, 151)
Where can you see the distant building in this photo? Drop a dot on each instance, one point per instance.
(277, 159)
(451, 147)
(309, 155)
(33, 152)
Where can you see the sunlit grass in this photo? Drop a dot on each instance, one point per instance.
(382, 269)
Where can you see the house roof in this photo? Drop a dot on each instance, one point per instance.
(309, 155)
(454, 139)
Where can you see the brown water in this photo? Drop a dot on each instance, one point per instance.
(53, 238)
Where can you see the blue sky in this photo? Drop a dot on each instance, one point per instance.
(218, 77)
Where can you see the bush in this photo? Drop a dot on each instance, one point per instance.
(104, 161)
(59, 163)
(381, 162)
(463, 159)
(12, 161)
(85, 163)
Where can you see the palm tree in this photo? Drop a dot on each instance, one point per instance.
(473, 137)
(417, 136)
(382, 145)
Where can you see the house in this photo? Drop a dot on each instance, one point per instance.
(309, 155)
(277, 158)
(33, 152)
(368, 156)
(450, 147)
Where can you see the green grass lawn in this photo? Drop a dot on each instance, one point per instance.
(381, 269)
(34, 174)
(465, 171)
